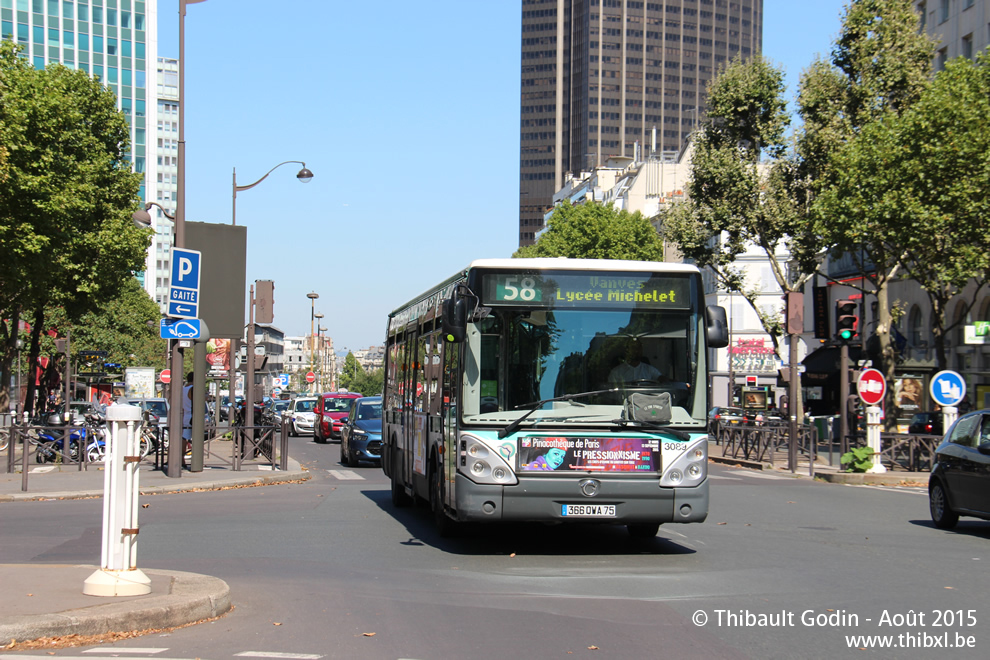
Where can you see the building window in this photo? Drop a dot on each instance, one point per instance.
(966, 49)
(940, 59)
(943, 11)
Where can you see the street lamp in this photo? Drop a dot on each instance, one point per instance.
(304, 176)
(312, 295)
(142, 219)
(319, 344)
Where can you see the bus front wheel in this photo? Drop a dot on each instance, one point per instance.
(643, 531)
(445, 525)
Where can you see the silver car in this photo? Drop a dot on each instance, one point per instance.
(301, 417)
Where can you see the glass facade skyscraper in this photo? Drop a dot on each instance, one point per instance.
(114, 40)
(598, 76)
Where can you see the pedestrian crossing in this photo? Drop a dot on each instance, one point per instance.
(346, 475)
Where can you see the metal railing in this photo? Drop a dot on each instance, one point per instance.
(763, 443)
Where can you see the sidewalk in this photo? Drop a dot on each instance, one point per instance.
(46, 600)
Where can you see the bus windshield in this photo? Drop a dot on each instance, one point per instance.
(516, 358)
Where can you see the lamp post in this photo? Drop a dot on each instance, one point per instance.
(319, 351)
(304, 176)
(312, 295)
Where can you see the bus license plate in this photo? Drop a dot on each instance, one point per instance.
(588, 510)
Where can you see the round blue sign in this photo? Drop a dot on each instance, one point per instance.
(947, 388)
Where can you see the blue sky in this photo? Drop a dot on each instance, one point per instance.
(411, 131)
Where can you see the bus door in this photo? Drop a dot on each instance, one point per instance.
(408, 388)
(447, 408)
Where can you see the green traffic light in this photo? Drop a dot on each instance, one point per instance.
(846, 334)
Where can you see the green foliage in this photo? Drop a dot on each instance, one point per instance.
(596, 231)
(119, 327)
(66, 195)
(736, 200)
(858, 459)
(354, 378)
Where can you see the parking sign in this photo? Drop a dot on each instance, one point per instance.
(183, 294)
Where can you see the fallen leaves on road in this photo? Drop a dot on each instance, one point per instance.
(276, 623)
(69, 641)
(368, 634)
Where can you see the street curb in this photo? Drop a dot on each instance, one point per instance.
(885, 478)
(187, 487)
(846, 478)
(192, 597)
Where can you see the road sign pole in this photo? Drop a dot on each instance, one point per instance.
(949, 416)
(249, 379)
(873, 438)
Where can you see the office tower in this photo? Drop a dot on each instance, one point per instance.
(114, 40)
(604, 78)
(166, 179)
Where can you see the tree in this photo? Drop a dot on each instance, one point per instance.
(66, 236)
(596, 231)
(914, 188)
(351, 372)
(881, 65)
(736, 201)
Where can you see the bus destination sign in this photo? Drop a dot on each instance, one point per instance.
(586, 289)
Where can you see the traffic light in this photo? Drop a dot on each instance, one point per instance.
(845, 319)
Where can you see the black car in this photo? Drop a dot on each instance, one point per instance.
(960, 481)
(926, 423)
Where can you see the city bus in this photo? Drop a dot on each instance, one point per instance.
(553, 390)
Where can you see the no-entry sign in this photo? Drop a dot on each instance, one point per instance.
(310, 377)
(872, 386)
(165, 376)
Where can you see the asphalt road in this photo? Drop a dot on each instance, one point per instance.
(783, 568)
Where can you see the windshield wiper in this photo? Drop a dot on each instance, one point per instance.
(533, 407)
(662, 426)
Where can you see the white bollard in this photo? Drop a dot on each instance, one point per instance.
(873, 438)
(119, 574)
(949, 416)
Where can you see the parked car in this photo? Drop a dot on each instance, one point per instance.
(155, 405)
(330, 408)
(361, 434)
(78, 410)
(301, 415)
(959, 484)
(225, 406)
(926, 423)
(722, 415)
(274, 409)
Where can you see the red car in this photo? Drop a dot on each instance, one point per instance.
(330, 408)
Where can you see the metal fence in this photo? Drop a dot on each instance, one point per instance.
(25, 446)
(765, 443)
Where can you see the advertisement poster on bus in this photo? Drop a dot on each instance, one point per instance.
(595, 454)
(218, 357)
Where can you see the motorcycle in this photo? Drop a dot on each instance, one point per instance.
(52, 445)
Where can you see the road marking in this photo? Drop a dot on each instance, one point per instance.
(42, 470)
(345, 475)
(275, 654)
(79, 657)
(146, 651)
(718, 476)
(762, 475)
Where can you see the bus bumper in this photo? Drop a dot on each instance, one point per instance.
(542, 500)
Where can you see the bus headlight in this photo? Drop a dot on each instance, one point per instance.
(690, 468)
(484, 465)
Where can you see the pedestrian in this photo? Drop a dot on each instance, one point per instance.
(187, 409)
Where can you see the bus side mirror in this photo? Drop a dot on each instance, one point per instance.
(718, 327)
(454, 322)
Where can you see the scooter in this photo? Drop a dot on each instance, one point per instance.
(51, 443)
